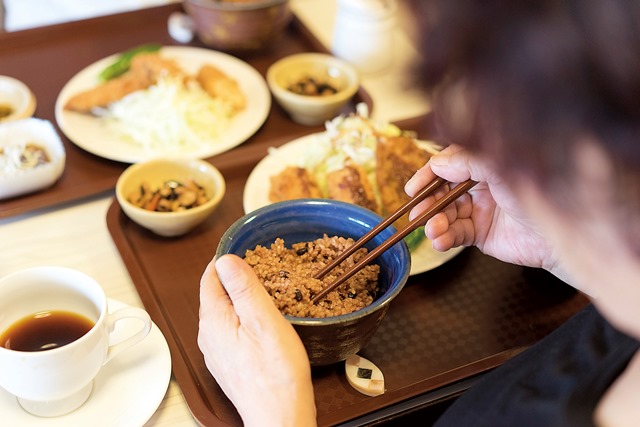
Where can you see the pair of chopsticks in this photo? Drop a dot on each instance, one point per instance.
(440, 204)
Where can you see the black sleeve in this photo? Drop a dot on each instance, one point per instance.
(556, 382)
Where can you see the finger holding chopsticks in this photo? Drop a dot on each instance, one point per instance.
(453, 226)
(400, 234)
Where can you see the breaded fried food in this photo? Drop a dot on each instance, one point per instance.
(350, 184)
(293, 183)
(107, 93)
(145, 70)
(397, 159)
(218, 85)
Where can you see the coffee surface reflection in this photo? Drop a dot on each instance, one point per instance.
(45, 330)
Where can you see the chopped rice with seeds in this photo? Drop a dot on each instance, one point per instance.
(287, 274)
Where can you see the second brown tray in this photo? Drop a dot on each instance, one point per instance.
(447, 325)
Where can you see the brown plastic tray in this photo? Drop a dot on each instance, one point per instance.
(447, 325)
(46, 58)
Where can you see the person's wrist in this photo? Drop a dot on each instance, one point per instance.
(293, 415)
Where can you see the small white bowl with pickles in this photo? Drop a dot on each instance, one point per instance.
(312, 87)
(170, 197)
(16, 100)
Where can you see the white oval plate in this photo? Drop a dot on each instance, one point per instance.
(91, 134)
(256, 195)
(126, 392)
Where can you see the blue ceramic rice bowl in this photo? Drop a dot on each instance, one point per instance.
(331, 339)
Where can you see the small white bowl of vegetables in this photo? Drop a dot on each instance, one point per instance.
(170, 197)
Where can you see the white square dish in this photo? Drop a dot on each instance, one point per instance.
(17, 177)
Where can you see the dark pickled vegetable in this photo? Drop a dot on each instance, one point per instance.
(309, 86)
(173, 196)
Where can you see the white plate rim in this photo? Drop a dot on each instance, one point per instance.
(90, 134)
(129, 397)
(256, 195)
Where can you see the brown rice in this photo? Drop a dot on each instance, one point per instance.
(287, 274)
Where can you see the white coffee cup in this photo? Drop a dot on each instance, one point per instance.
(54, 382)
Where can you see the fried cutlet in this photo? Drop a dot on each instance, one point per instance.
(350, 184)
(218, 85)
(144, 72)
(293, 183)
(397, 159)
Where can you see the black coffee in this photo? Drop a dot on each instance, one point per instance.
(45, 330)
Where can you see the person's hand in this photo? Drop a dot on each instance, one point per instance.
(250, 348)
(488, 216)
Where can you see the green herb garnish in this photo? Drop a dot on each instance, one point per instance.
(414, 238)
(122, 64)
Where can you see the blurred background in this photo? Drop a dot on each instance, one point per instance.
(23, 14)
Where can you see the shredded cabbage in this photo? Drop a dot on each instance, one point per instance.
(352, 138)
(169, 116)
(348, 138)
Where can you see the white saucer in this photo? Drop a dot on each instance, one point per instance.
(126, 392)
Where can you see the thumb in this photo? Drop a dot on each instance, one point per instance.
(247, 294)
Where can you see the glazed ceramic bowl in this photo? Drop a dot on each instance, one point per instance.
(312, 110)
(157, 171)
(331, 339)
(16, 100)
(238, 25)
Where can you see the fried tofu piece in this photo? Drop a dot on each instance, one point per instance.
(218, 85)
(397, 159)
(144, 71)
(293, 183)
(350, 184)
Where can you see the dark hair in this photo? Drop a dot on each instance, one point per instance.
(525, 80)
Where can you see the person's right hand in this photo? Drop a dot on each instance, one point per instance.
(488, 216)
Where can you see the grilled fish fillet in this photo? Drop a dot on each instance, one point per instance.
(350, 184)
(218, 85)
(397, 159)
(293, 183)
(143, 72)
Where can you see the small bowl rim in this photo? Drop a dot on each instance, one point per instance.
(28, 98)
(376, 305)
(313, 57)
(213, 200)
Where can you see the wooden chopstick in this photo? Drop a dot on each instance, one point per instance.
(421, 219)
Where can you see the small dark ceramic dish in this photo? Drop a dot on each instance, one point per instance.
(332, 339)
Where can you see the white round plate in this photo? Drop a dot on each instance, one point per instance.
(126, 392)
(256, 195)
(91, 134)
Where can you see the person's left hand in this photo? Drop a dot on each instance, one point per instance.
(250, 348)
